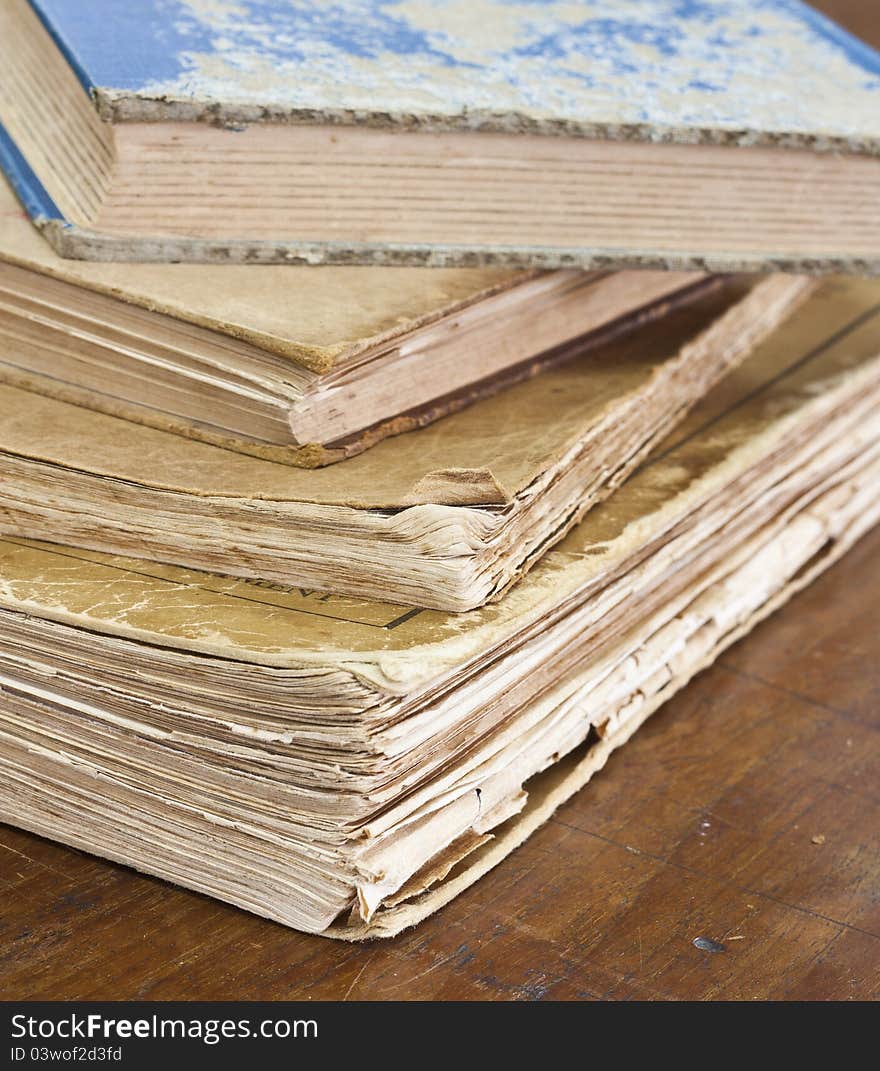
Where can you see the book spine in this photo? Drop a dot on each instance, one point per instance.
(64, 45)
(30, 191)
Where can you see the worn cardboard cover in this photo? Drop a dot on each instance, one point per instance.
(655, 71)
(482, 455)
(835, 338)
(446, 517)
(649, 69)
(774, 475)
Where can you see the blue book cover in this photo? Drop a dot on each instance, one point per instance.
(724, 72)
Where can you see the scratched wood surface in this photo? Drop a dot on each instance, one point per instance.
(744, 815)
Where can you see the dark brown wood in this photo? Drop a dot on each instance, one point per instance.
(744, 814)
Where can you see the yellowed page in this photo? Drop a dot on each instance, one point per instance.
(829, 351)
(481, 455)
(310, 314)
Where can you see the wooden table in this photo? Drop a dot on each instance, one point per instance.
(744, 816)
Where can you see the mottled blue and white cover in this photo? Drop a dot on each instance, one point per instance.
(722, 70)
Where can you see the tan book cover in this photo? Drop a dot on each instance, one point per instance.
(448, 516)
(346, 767)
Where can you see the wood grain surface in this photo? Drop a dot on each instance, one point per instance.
(743, 817)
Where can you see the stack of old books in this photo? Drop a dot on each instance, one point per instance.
(323, 584)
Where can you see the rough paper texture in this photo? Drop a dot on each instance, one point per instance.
(311, 315)
(340, 800)
(482, 455)
(834, 340)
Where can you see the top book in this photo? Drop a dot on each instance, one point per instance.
(707, 134)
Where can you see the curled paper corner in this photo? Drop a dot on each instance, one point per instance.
(458, 487)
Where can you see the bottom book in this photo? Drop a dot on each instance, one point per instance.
(348, 767)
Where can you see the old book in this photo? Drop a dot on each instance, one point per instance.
(732, 136)
(346, 770)
(446, 517)
(301, 365)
